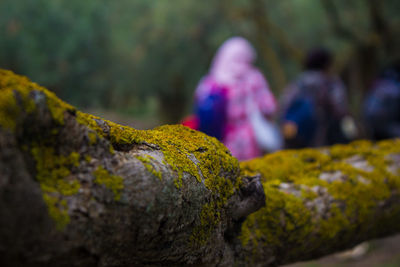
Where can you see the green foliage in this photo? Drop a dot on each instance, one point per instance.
(126, 54)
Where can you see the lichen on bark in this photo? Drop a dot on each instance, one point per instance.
(317, 199)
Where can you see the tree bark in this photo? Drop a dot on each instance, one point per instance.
(77, 190)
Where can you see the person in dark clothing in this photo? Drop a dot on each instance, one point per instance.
(382, 105)
(315, 105)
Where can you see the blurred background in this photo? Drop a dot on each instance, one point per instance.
(138, 62)
(142, 59)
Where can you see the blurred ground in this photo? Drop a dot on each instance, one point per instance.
(381, 253)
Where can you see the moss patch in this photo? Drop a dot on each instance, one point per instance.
(14, 87)
(8, 109)
(311, 219)
(178, 143)
(113, 182)
(58, 211)
(92, 138)
(146, 160)
(52, 171)
(184, 150)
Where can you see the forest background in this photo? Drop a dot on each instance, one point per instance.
(144, 58)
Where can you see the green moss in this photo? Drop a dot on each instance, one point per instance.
(51, 173)
(113, 182)
(92, 138)
(88, 158)
(307, 193)
(52, 169)
(8, 109)
(111, 149)
(54, 131)
(12, 85)
(345, 151)
(184, 150)
(287, 165)
(209, 219)
(285, 218)
(146, 160)
(210, 215)
(354, 196)
(336, 223)
(178, 144)
(57, 211)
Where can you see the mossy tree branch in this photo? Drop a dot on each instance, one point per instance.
(77, 190)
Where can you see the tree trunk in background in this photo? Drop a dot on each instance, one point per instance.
(172, 102)
(77, 190)
(370, 50)
(263, 28)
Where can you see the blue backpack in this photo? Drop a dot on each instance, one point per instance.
(211, 113)
(302, 112)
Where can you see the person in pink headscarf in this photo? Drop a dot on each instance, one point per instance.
(233, 76)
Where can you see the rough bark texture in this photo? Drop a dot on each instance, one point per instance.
(77, 190)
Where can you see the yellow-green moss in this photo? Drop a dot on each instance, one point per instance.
(52, 169)
(57, 211)
(272, 225)
(111, 149)
(51, 173)
(12, 85)
(178, 144)
(307, 193)
(356, 194)
(92, 138)
(8, 109)
(146, 160)
(335, 223)
(287, 165)
(210, 215)
(185, 150)
(113, 182)
(88, 158)
(209, 219)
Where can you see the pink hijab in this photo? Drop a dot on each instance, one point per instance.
(233, 60)
(232, 68)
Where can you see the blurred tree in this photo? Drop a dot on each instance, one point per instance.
(123, 53)
(63, 44)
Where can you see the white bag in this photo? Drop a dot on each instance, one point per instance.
(266, 132)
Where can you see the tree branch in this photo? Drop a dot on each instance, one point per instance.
(77, 190)
(267, 51)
